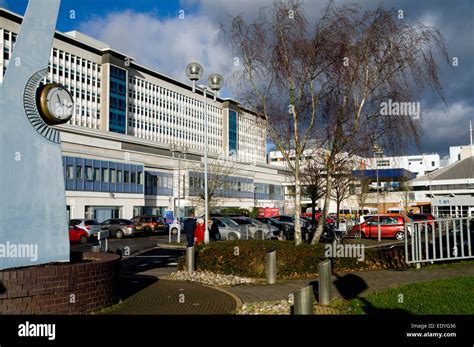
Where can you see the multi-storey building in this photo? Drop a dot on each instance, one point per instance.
(136, 134)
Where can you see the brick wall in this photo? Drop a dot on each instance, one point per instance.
(77, 287)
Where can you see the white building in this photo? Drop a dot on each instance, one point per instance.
(418, 164)
(449, 190)
(459, 152)
(120, 148)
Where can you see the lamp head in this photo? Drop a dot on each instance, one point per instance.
(215, 82)
(194, 71)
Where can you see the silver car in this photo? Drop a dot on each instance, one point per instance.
(91, 226)
(228, 229)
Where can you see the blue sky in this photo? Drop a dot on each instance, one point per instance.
(86, 10)
(152, 32)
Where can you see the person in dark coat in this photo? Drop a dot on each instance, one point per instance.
(189, 228)
(214, 234)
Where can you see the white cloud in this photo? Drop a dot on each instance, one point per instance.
(166, 45)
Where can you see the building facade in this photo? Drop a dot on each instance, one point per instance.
(137, 135)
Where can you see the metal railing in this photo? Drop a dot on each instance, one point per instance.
(439, 240)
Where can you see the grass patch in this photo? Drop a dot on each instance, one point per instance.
(446, 296)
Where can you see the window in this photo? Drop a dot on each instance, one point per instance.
(432, 163)
(97, 174)
(105, 175)
(78, 172)
(119, 176)
(70, 172)
(113, 176)
(89, 173)
(133, 178)
(126, 176)
(140, 177)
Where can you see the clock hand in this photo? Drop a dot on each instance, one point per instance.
(59, 99)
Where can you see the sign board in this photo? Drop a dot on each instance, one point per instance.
(169, 217)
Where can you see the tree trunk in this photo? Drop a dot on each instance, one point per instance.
(297, 204)
(327, 200)
(338, 205)
(313, 208)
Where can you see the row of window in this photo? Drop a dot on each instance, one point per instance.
(104, 175)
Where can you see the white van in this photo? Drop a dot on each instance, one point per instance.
(395, 210)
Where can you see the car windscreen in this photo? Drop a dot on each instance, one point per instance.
(254, 221)
(91, 222)
(241, 221)
(230, 222)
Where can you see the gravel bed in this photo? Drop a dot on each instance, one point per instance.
(210, 278)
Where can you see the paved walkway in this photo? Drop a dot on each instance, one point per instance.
(374, 280)
(171, 297)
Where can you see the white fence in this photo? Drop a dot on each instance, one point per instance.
(439, 240)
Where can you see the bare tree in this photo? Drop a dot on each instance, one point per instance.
(313, 180)
(382, 57)
(362, 192)
(221, 177)
(342, 69)
(283, 59)
(341, 189)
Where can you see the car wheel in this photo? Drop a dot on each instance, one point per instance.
(232, 237)
(174, 231)
(339, 240)
(83, 239)
(259, 235)
(400, 235)
(118, 234)
(358, 234)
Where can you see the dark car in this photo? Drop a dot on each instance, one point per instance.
(151, 224)
(119, 228)
(305, 226)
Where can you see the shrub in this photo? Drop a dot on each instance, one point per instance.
(247, 258)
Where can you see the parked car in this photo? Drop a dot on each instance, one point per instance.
(260, 228)
(78, 235)
(228, 228)
(90, 226)
(423, 217)
(305, 225)
(391, 226)
(284, 228)
(151, 224)
(119, 228)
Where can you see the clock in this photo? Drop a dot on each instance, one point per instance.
(55, 104)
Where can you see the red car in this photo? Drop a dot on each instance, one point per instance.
(318, 215)
(391, 226)
(422, 218)
(77, 235)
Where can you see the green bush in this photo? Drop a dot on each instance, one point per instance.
(247, 258)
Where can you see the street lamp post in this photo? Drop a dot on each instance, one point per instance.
(215, 82)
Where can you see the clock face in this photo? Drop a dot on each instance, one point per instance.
(60, 103)
(56, 104)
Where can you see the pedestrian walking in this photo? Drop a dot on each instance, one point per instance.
(189, 229)
(199, 233)
(214, 234)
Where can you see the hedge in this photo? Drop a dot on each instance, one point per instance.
(247, 258)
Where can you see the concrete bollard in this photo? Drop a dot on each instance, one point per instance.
(303, 301)
(270, 267)
(324, 269)
(190, 259)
